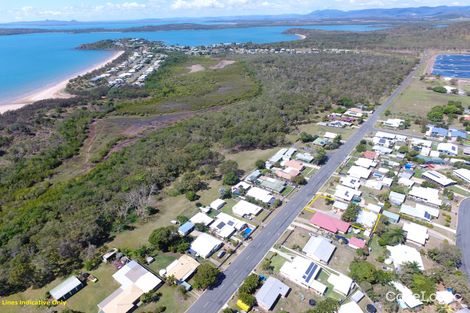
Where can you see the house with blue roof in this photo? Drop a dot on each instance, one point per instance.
(186, 228)
(457, 133)
(434, 131)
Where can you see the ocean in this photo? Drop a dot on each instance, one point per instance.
(35, 61)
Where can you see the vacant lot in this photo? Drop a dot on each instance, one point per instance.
(194, 84)
(417, 101)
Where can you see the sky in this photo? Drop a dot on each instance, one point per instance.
(99, 10)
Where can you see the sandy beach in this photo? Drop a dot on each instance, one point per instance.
(301, 37)
(56, 90)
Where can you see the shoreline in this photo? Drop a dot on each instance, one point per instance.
(301, 37)
(54, 90)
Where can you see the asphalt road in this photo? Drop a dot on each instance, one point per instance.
(463, 234)
(211, 301)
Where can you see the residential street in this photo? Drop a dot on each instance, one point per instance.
(463, 233)
(213, 300)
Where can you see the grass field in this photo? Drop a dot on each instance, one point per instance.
(246, 159)
(417, 101)
(181, 88)
(84, 301)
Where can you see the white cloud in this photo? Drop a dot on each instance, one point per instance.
(195, 4)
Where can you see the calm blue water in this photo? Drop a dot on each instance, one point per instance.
(34, 61)
(451, 65)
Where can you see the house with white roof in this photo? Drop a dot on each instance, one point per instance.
(407, 299)
(319, 248)
(385, 135)
(366, 218)
(201, 218)
(417, 142)
(420, 211)
(374, 208)
(226, 225)
(340, 205)
(217, 204)
(261, 195)
(350, 307)
(240, 186)
(341, 283)
(350, 181)
(427, 195)
(463, 174)
(406, 182)
(374, 184)
(396, 198)
(438, 178)
(245, 208)
(346, 193)
(268, 295)
(401, 254)
(205, 245)
(66, 289)
(135, 280)
(303, 272)
(364, 162)
(416, 233)
(382, 150)
(393, 123)
(359, 172)
(448, 148)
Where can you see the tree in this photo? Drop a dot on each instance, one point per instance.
(387, 112)
(266, 265)
(228, 310)
(248, 299)
(407, 272)
(424, 286)
(162, 238)
(351, 213)
(346, 102)
(304, 137)
(230, 179)
(328, 305)
(300, 180)
(229, 166)
(191, 196)
(361, 148)
(362, 271)
(320, 156)
(439, 89)
(446, 255)
(250, 284)
(260, 164)
(206, 276)
(167, 239)
(393, 236)
(182, 219)
(201, 227)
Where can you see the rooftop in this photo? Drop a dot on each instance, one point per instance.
(271, 290)
(65, 287)
(182, 268)
(329, 223)
(319, 248)
(401, 254)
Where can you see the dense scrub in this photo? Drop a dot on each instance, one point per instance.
(415, 36)
(53, 228)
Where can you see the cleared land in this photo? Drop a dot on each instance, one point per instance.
(194, 84)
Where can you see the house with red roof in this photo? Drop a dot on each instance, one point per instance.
(370, 155)
(357, 243)
(329, 223)
(299, 166)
